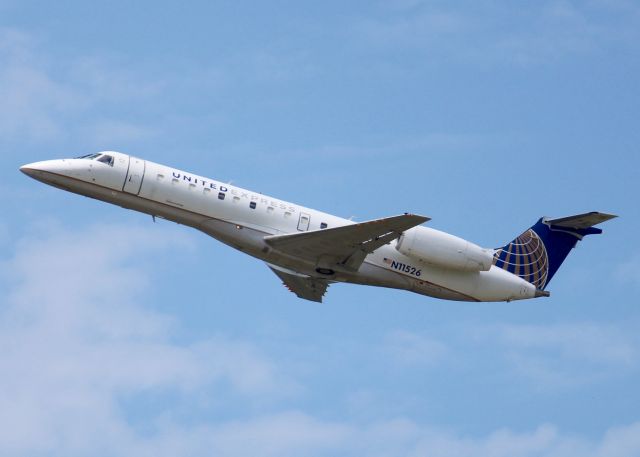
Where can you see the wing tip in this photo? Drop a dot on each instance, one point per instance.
(418, 216)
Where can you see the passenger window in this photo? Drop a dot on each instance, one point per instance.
(236, 199)
(252, 205)
(323, 225)
(221, 195)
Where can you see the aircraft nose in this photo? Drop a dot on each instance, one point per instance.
(32, 169)
(43, 170)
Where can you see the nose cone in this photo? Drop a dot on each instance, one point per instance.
(46, 170)
(30, 169)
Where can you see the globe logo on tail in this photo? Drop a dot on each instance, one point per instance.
(526, 256)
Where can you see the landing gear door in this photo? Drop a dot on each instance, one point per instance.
(135, 175)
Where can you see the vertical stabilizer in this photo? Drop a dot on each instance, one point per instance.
(537, 253)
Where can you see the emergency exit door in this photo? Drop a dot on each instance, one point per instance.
(303, 222)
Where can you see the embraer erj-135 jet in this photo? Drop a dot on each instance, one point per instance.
(309, 250)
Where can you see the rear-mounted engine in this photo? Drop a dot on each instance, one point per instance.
(448, 251)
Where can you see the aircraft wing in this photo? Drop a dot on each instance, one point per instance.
(344, 247)
(303, 286)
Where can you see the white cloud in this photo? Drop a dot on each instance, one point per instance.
(411, 349)
(629, 271)
(108, 132)
(436, 144)
(585, 341)
(46, 100)
(562, 355)
(101, 99)
(500, 32)
(32, 101)
(620, 442)
(295, 433)
(75, 340)
(4, 232)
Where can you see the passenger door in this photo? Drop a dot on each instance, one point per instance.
(135, 175)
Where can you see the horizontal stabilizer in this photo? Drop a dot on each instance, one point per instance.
(580, 221)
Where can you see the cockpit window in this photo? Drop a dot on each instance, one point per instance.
(88, 156)
(105, 158)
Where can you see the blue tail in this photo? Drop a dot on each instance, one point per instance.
(537, 254)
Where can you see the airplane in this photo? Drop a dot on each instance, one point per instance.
(310, 250)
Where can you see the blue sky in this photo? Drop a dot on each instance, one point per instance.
(124, 337)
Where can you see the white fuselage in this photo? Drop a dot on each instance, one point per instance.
(242, 218)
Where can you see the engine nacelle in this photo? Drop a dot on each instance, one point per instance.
(444, 250)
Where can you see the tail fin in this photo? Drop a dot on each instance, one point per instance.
(537, 254)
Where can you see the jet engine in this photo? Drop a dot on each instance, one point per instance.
(444, 250)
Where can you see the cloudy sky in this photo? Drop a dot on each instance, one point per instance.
(123, 337)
